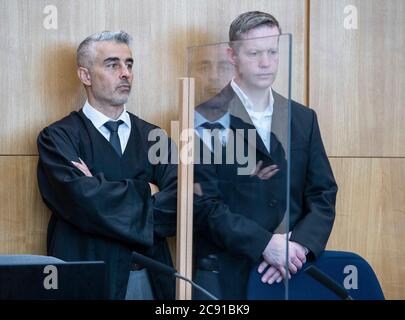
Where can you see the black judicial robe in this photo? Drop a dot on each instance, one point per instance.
(109, 215)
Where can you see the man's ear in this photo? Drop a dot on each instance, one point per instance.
(84, 76)
(231, 53)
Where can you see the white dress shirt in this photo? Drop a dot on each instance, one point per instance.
(98, 119)
(262, 119)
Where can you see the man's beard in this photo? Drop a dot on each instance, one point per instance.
(119, 102)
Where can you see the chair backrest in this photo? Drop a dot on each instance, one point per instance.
(348, 269)
(19, 259)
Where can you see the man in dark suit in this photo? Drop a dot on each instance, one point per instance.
(246, 222)
(96, 177)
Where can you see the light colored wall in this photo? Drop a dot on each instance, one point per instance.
(356, 85)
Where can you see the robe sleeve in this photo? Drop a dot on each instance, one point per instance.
(122, 210)
(165, 201)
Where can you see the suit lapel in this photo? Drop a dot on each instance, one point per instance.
(240, 119)
(279, 123)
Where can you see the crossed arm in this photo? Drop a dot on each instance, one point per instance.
(83, 168)
(273, 267)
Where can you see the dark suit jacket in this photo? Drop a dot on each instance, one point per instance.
(248, 210)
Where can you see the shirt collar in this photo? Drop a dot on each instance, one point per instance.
(98, 119)
(247, 103)
(199, 119)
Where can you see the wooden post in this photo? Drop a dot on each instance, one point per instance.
(184, 246)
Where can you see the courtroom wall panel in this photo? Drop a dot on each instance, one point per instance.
(355, 84)
(357, 76)
(370, 217)
(39, 83)
(39, 77)
(23, 217)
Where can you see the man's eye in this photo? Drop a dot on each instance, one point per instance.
(112, 65)
(129, 66)
(253, 53)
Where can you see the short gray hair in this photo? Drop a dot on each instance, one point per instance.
(248, 21)
(83, 56)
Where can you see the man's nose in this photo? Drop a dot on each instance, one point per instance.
(214, 74)
(125, 72)
(265, 60)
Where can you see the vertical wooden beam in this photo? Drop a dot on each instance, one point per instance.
(185, 188)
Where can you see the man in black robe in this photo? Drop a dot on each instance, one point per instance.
(95, 176)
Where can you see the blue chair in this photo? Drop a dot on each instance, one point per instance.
(348, 269)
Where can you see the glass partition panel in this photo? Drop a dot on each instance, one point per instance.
(241, 167)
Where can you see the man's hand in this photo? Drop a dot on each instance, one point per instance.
(82, 167)
(274, 256)
(197, 189)
(275, 253)
(296, 253)
(271, 275)
(153, 188)
(266, 172)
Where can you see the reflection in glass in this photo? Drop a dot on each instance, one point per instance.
(241, 158)
(212, 70)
